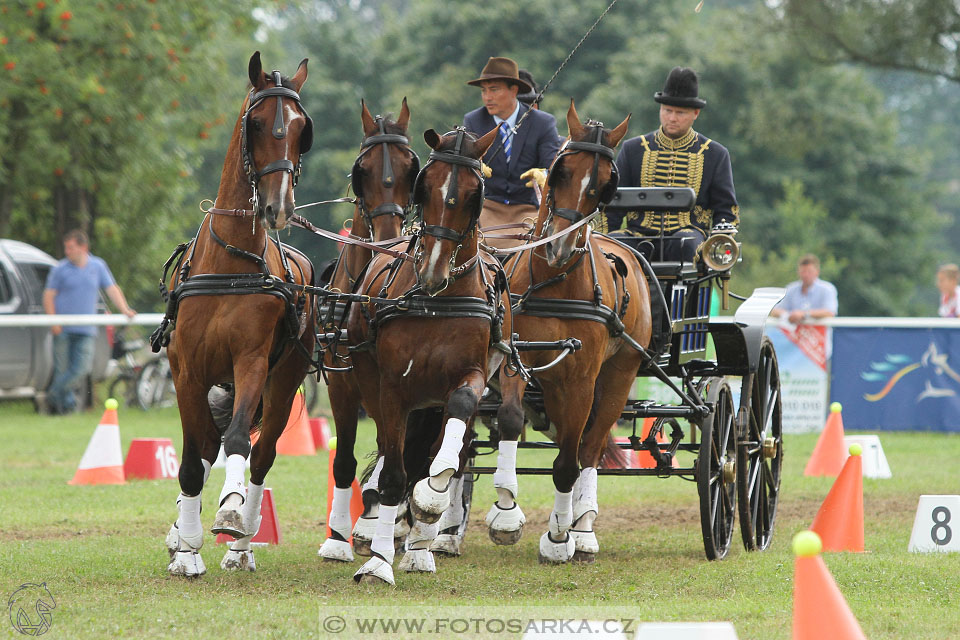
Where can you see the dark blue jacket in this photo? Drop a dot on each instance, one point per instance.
(535, 144)
(694, 161)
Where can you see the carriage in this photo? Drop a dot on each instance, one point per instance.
(730, 402)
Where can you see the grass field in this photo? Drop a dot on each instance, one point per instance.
(100, 549)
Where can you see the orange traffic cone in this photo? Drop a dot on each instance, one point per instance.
(830, 453)
(102, 462)
(269, 532)
(297, 440)
(819, 609)
(320, 429)
(839, 523)
(356, 499)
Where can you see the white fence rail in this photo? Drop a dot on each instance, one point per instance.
(98, 319)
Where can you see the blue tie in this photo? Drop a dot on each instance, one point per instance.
(506, 138)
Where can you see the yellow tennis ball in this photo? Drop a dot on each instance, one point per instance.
(835, 407)
(111, 403)
(806, 544)
(856, 450)
(332, 443)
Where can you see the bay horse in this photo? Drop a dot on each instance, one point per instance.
(259, 341)
(587, 287)
(430, 336)
(382, 179)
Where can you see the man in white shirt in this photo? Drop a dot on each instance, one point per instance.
(809, 297)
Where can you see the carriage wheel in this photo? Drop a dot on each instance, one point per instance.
(760, 453)
(715, 471)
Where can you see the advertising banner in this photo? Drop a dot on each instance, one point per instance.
(802, 352)
(897, 379)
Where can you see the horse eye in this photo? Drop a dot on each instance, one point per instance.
(257, 125)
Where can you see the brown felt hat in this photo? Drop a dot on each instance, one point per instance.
(502, 69)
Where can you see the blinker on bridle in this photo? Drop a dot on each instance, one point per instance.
(597, 148)
(387, 176)
(279, 131)
(451, 199)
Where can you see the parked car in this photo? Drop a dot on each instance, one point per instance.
(26, 353)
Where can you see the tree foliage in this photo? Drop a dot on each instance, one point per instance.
(103, 108)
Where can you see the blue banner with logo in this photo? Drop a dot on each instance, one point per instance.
(897, 379)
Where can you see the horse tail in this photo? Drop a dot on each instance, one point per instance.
(613, 457)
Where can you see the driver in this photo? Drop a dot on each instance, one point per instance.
(676, 156)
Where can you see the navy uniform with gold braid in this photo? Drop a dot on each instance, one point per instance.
(693, 160)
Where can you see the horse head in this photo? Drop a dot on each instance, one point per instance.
(275, 133)
(582, 178)
(383, 175)
(449, 192)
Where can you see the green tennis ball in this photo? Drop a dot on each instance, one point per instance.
(856, 450)
(806, 544)
(111, 403)
(835, 407)
(332, 444)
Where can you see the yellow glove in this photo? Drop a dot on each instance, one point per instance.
(535, 175)
(487, 171)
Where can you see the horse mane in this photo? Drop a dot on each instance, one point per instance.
(390, 126)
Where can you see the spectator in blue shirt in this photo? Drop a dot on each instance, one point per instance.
(809, 297)
(72, 287)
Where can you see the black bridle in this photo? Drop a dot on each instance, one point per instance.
(597, 148)
(387, 178)
(452, 198)
(279, 131)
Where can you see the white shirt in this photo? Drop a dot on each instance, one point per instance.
(950, 308)
(511, 120)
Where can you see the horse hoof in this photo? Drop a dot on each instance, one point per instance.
(363, 533)
(505, 526)
(361, 546)
(418, 561)
(375, 571)
(230, 522)
(556, 552)
(186, 564)
(584, 557)
(447, 545)
(336, 551)
(428, 504)
(238, 561)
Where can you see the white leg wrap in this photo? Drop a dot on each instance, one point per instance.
(421, 535)
(383, 538)
(188, 524)
(556, 552)
(449, 455)
(373, 483)
(561, 518)
(585, 541)
(418, 558)
(238, 560)
(380, 566)
(340, 512)
(364, 530)
(505, 477)
(428, 504)
(251, 519)
(402, 527)
(206, 470)
(453, 515)
(234, 483)
(585, 493)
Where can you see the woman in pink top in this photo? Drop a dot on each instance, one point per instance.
(948, 281)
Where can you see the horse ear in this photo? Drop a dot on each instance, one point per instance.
(484, 143)
(404, 118)
(617, 134)
(369, 126)
(573, 122)
(432, 138)
(255, 71)
(300, 76)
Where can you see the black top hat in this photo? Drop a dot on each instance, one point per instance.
(681, 89)
(501, 69)
(529, 96)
